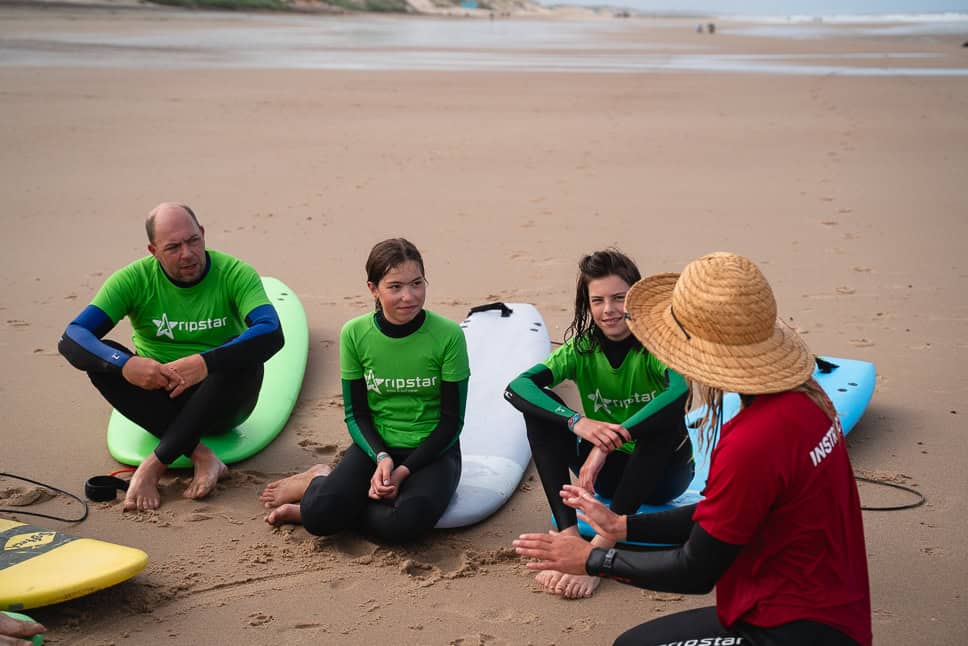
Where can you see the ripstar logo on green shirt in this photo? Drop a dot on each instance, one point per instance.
(599, 402)
(167, 328)
(397, 384)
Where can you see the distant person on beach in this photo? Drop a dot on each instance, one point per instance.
(779, 532)
(203, 328)
(16, 631)
(405, 372)
(711, 28)
(628, 440)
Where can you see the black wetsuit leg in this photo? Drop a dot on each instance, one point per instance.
(339, 501)
(691, 626)
(654, 473)
(555, 450)
(702, 628)
(221, 401)
(422, 500)
(336, 502)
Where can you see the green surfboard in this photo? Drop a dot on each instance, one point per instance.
(130, 444)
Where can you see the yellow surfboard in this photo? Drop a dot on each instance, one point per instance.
(39, 566)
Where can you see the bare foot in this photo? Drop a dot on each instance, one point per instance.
(22, 630)
(208, 471)
(291, 489)
(548, 579)
(287, 514)
(143, 488)
(577, 586)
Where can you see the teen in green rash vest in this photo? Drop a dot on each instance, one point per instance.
(405, 372)
(632, 445)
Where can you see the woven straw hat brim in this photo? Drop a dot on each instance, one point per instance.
(777, 364)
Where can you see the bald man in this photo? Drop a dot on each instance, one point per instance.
(203, 328)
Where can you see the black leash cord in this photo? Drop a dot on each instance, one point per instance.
(46, 486)
(911, 505)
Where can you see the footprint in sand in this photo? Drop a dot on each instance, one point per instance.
(23, 496)
(318, 449)
(259, 619)
(861, 343)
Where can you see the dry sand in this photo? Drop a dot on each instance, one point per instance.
(849, 192)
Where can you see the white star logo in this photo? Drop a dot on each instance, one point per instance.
(600, 402)
(373, 382)
(165, 327)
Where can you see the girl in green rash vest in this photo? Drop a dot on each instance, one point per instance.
(405, 373)
(629, 441)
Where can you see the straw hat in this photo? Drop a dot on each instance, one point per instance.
(716, 323)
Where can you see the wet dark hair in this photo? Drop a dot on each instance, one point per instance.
(150, 222)
(600, 264)
(388, 254)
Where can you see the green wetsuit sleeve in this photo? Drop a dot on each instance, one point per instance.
(664, 411)
(453, 403)
(528, 393)
(359, 419)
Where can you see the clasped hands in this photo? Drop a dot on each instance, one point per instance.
(386, 479)
(175, 376)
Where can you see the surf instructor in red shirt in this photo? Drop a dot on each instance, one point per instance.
(779, 532)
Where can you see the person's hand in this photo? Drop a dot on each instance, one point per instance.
(192, 370)
(149, 374)
(381, 485)
(603, 435)
(16, 631)
(562, 552)
(397, 477)
(589, 471)
(604, 521)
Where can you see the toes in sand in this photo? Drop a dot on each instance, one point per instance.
(291, 489)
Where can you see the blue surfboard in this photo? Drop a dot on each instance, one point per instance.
(848, 382)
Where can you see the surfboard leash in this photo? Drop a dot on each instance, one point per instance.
(911, 505)
(52, 488)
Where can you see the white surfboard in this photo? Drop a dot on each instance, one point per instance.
(502, 343)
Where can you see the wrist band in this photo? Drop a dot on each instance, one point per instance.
(382, 455)
(573, 420)
(609, 558)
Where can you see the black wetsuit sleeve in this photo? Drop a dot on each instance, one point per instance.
(528, 393)
(671, 527)
(81, 343)
(359, 418)
(261, 340)
(693, 568)
(453, 402)
(666, 411)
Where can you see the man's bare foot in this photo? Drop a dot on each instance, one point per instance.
(548, 579)
(291, 489)
(577, 586)
(208, 471)
(143, 488)
(287, 514)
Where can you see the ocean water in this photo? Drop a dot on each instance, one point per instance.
(796, 10)
(181, 39)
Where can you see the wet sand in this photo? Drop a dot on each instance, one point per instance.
(847, 191)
